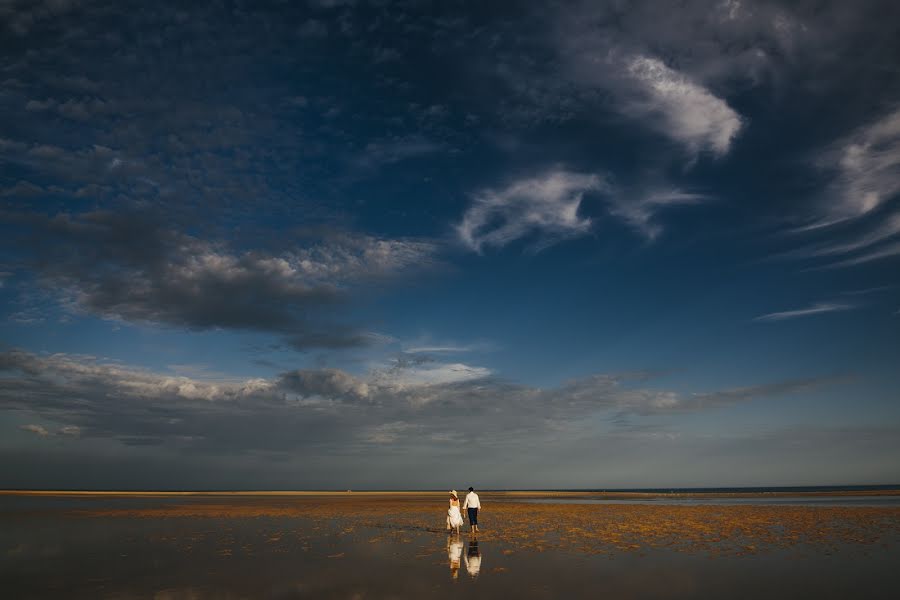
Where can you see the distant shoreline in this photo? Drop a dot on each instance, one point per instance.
(822, 491)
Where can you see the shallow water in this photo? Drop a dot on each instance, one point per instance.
(757, 500)
(47, 551)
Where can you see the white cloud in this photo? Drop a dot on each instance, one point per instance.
(867, 167)
(546, 205)
(815, 309)
(671, 75)
(680, 108)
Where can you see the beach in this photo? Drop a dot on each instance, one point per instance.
(393, 544)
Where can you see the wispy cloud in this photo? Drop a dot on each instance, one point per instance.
(546, 206)
(436, 349)
(426, 345)
(640, 210)
(855, 214)
(866, 164)
(884, 230)
(815, 309)
(869, 290)
(886, 251)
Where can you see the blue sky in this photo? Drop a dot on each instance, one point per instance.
(338, 244)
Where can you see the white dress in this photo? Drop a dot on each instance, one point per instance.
(454, 517)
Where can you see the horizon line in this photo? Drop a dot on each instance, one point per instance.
(264, 492)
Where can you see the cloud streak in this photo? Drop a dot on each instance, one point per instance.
(816, 309)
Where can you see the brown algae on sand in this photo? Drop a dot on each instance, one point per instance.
(585, 528)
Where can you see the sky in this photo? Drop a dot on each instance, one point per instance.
(344, 244)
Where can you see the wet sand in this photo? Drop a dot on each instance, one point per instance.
(373, 545)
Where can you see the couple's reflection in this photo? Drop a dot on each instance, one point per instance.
(455, 554)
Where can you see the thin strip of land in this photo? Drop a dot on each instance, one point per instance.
(516, 494)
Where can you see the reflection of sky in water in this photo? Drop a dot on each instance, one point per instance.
(44, 553)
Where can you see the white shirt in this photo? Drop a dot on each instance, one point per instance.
(472, 501)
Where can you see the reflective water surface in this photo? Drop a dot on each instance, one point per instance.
(712, 500)
(47, 551)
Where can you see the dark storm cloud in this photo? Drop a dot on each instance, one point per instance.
(131, 267)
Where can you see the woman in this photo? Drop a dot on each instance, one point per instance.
(454, 517)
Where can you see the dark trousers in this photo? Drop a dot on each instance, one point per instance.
(473, 516)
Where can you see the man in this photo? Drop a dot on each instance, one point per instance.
(472, 504)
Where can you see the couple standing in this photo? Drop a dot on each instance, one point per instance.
(454, 516)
